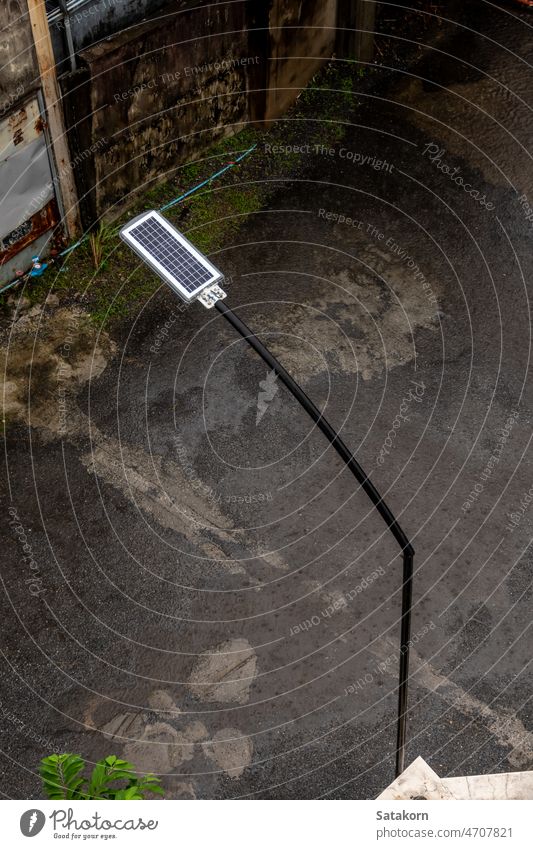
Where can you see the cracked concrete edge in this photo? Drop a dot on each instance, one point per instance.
(497, 786)
(419, 781)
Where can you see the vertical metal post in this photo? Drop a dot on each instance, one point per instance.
(403, 673)
(68, 34)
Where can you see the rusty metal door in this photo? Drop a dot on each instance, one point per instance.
(29, 208)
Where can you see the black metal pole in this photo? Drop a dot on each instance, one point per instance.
(403, 674)
(361, 476)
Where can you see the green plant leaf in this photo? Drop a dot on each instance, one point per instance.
(129, 793)
(105, 773)
(61, 776)
(111, 778)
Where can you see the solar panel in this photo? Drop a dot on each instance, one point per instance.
(170, 254)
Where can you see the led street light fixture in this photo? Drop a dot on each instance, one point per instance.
(188, 272)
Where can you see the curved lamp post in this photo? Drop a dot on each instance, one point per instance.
(192, 277)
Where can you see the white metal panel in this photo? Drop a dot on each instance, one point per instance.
(26, 184)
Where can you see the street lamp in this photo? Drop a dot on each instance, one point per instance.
(191, 276)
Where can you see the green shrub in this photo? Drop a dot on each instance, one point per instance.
(111, 778)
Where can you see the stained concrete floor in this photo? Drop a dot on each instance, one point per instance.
(203, 589)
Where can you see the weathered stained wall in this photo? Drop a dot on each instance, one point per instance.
(163, 90)
(95, 20)
(19, 74)
(302, 35)
(158, 93)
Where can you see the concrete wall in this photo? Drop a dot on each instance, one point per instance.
(97, 19)
(160, 92)
(19, 74)
(302, 35)
(158, 81)
(155, 94)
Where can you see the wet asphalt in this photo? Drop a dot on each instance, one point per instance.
(207, 571)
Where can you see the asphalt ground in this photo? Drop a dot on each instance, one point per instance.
(204, 590)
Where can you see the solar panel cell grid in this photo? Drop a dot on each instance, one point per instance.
(173, 256)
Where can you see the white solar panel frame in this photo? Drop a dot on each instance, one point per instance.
(149, 258)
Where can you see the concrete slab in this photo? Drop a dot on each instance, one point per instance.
(417, 781)
(507, 785)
